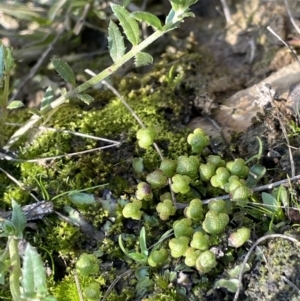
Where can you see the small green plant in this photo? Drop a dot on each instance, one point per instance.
(6, 66)
(130, 25)
(27, 282)
(144, 257)
(202, 225)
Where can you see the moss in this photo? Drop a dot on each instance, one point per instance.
(157, 101)
(66, 290)
(128, 294)
(16, 193)
(266, 282)
(60, 237)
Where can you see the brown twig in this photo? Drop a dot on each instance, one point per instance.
(256, 189)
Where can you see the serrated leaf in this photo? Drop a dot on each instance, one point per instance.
(87, 99)
(143, 59)
(129, 25)
(148, 18)
(64, 70)
(7, 227)
(16, 104)
(48, 98)
(18, 219)
(115, 42)
(34, 280)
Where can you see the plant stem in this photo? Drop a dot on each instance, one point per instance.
(15, 268)
(3, 108)
(94, 80)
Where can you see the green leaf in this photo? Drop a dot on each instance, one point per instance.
(148, 18)
(143, 59)
(230, 285)
(283, 196)
(269, 200)
(129, 25)
(170, 16)
(20, 11)
(18, 219)
(80, 198)
(143, 244)
(64, 70)
(182, 5)
(48, 98)
(142, 273)
(256, 172)
(187, 15)
(34, 280)
(115, 42)
(7, 227)
(138, 257)
(162, 238)
(54, 9)
(87, 99)
(34, 111)
(135, 256)
(16, 104)
(9, 61)
(122, 246)
(235, 271)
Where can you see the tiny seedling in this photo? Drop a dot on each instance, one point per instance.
(142, 257)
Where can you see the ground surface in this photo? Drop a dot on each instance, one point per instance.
(223, 91)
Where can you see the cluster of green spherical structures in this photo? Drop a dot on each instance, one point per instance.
(195, 230)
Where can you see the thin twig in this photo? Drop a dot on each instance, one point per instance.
(256, 189)
(113, 143)
(114, 283)
(288, 46)
(78, 27)
(293, 171)
(226, 11)
(291, 17)
(33, 211)
(9, 158)
(266, 237)
(34, 69)
(18, 183)
(293, 285)
(79, 290)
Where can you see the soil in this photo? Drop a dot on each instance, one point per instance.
(251, 89)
